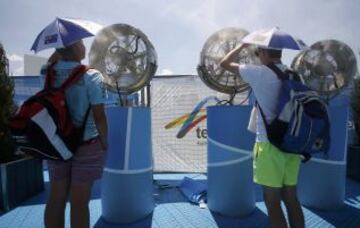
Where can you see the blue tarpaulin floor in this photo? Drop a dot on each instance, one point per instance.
(173, 210)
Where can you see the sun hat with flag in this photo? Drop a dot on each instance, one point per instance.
(64, 31)
(274, 39)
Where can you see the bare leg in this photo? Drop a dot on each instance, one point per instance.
(55, 206)
(272, 198)
(293, 207)
(79, 200)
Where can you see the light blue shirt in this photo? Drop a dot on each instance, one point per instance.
(88, 90)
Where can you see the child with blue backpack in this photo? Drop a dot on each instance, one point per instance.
(276, 171)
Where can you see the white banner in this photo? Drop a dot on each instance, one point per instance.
(179, 133)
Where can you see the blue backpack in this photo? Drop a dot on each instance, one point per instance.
(302, 123)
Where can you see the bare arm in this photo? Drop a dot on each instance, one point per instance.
(101, 123)
(229, 61)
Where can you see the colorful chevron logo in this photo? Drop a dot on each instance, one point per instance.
(189, 120)
(182, 120)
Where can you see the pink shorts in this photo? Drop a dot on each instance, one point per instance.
(86, 165)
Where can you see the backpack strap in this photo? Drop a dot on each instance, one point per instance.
(262, 114)
(306, 157)
(285, 75)
(85, 119)
(279, 73)
(75, 76)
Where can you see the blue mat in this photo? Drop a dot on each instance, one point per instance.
(174, 210)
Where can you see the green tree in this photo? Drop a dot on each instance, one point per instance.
(7, 147)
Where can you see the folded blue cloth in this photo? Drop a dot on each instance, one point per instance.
(194, 190)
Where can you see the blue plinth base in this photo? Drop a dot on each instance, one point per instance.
(126, 197)
(127, 189)
(321, 182)
(231, 189)
(322, 186)
(230, 178)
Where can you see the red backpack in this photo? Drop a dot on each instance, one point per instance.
(42, 127)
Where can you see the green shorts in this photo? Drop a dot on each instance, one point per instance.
(274, 168)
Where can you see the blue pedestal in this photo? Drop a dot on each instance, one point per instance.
(127, 188)
(230, 176)
(322, 180)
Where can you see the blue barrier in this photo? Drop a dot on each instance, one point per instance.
(127, 189)
(230, 178)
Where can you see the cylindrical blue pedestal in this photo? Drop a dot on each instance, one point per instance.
(322, 180)
(127, 189)
(230, 179)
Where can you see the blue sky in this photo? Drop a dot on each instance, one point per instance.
(178, 29)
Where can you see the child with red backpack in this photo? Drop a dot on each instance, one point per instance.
(65, 123)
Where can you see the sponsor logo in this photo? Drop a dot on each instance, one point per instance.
(189, 120)
(51, 39)
(20, 139)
